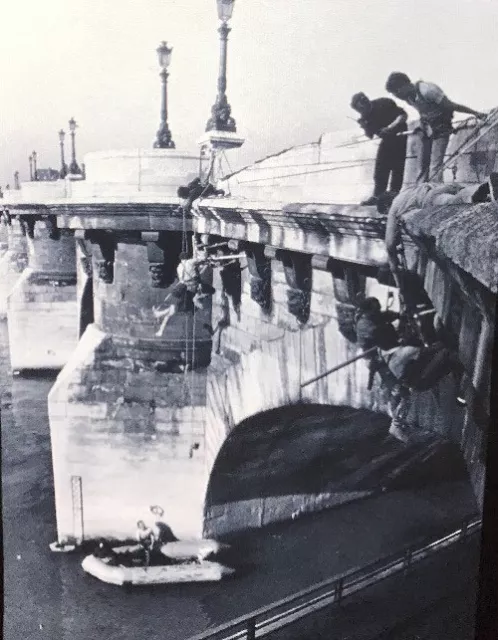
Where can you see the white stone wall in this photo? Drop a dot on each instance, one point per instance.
(12, 264)
(135, 171)
(339, 167)
(43, 326)
(128, 457)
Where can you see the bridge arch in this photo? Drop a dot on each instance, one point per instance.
(265, 385)
(292, 460)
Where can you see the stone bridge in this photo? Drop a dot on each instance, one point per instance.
(87, 262)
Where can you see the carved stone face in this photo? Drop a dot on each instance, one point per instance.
(157, 273)
(105, 270)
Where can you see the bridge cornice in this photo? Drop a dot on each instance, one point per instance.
(344, 232)
(112, 216)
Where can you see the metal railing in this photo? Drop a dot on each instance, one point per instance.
(262, 622)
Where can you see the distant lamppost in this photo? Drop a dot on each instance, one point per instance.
(17, 184)
(35, 173)
(31, 167)
(63, 171)
(163, 137)
(73, 167)
(221, 119)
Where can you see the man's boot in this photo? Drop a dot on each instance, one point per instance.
(370, 202)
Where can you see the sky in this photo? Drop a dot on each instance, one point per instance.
(292, 68)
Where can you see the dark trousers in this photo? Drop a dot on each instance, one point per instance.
(391, 156)
(434, 363)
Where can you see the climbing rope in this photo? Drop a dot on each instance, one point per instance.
(352, 165)
(406, 309)
(477, 133)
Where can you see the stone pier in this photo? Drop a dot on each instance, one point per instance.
(41, 307)
(13, 261)
(127, 420)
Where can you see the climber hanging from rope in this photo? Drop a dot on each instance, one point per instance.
(418, 197)
(190, 290)
(403, 368)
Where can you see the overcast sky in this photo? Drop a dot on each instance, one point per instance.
(292, 67)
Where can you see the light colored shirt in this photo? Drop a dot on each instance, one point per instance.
(418, 197)
(188, 272)
(144, 535)
(432, 104)
(399, 358)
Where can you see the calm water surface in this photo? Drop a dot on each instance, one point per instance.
(48, 596)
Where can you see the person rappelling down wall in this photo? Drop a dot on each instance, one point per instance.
(404, 364)
(406, 359)
(190, 289)
(421, 196)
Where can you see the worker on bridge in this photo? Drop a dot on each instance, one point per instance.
(385, 119)
(436, 116)
(190, 289)
(188, 292)
(403, 367)
(417, 197)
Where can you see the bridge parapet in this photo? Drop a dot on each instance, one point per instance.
(339, 167)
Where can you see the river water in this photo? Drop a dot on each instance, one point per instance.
(48, 596)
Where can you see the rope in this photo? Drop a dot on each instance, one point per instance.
(490, 122)
(358, 163)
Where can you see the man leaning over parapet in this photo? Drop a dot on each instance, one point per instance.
(382, 117)
(425, 195)
(436, 117)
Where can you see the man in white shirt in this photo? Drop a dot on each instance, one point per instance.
(188, 292)
(436, 116)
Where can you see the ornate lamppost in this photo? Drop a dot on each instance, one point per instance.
(63, 171)
(73, 167)
(17, 184)
(30, 167)
(35, 173)
(163, 137)
(221, 119)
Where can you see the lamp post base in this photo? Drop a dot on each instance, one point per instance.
(212, 144)
(221, 140)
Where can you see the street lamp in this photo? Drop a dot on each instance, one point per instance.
(17, 185)
(163, 137)
(73, 167)
(63, 171)
(31, 167)
(35, 173)
(221, 119)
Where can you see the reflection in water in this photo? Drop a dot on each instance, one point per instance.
(48, 596)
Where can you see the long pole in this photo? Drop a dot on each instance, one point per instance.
(364, 354)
